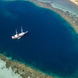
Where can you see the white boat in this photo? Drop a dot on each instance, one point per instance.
(19, 35)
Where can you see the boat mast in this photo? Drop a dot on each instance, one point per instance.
(16, 31)
(21, 29)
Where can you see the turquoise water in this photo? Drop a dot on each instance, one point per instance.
(49, 45)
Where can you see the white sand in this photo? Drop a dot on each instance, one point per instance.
(7, 72)
(74, 1)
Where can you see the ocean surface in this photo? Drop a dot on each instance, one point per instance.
(49, 45)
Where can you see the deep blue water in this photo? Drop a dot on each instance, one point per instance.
(49, 45)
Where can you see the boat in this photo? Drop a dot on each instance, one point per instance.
(19, 35)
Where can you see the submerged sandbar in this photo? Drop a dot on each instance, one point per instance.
(71, 18)
(19, 70)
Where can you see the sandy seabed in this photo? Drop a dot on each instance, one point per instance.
(74, 1)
